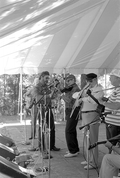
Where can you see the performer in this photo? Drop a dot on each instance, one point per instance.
(71, 123)
(42, 96)
(113, 104)
(89, 114)
(29, 97)
(111, 162)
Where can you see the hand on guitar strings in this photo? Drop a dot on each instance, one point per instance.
(77, 94)
(78, 102)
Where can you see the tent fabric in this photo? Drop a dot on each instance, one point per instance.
(76, 36)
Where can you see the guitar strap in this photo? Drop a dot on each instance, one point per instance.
(100, 107)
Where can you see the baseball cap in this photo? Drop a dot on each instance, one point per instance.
(90, 76)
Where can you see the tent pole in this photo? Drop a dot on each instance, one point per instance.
(21, 113)
(21, 88)
(105, 72)
(64, 74)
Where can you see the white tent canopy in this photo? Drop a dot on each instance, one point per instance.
(78, 36)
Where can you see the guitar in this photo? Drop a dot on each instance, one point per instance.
(100, 108)
(75, 110)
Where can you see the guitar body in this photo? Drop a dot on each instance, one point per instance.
(100, 108)
(76, 111)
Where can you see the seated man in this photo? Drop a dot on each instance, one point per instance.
(111, 162)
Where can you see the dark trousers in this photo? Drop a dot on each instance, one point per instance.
(70, 132)
(52, 128)
(112, 131)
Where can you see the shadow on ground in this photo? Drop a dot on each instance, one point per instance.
(59, 166)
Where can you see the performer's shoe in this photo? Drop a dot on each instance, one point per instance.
(69, 152)
(90, 167)
(55, 149)
(84, 162)
(33, 149)
(70, 155)
(30, 138)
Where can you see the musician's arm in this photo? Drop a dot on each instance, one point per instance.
(114, 148)
(37, 93)
(97, 96)
(53, 95)
(111, 105)
(67, 99)
(70, 97)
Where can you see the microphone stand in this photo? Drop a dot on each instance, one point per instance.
(42, 137)
(49, 141)
(32, 107)
(100, 120)
(46, 132)
(25, 127)
(88, 137)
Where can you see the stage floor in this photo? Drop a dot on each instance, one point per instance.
(60, 167)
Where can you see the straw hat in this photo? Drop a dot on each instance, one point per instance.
(115, 72)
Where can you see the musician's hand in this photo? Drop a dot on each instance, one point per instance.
(75, 95)
(101, 101)
(108, 144)
(78, 102)
(66, 99)
(84, 94)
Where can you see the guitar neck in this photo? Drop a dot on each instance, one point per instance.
(103, 142)
(95, 144)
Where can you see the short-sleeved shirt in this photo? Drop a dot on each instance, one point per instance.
(88, 102)
(113, 119)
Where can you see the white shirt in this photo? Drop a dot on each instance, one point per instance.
(88, 102)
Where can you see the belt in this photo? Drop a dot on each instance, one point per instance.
(88, 111)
